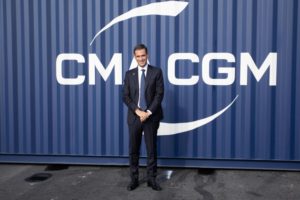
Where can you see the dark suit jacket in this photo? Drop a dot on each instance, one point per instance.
(154, 93)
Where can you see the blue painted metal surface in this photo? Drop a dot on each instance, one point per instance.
(40, 117)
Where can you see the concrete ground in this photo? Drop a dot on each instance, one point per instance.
(98, 182)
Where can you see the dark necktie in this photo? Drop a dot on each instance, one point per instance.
(143, 104)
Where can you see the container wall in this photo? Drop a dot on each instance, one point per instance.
(231, 75)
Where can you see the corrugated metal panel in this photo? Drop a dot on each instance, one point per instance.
(41, 117)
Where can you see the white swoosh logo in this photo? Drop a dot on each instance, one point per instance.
(168, 8)
(175, 128)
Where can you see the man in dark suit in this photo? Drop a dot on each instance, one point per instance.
(143, 94)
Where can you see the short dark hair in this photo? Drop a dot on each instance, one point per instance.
(139, 47)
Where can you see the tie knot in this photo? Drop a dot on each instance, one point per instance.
(143, 73)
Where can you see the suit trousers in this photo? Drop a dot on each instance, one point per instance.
(150, 133)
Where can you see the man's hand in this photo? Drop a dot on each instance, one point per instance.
(145, 116)
(142, 114)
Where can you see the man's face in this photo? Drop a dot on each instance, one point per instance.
(141, 57)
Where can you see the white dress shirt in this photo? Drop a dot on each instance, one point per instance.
(140, 76)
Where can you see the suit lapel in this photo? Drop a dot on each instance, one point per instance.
(135, 79)
(148, 77)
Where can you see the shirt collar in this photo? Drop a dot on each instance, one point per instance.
(145, 68)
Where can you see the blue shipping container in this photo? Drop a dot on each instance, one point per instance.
(231, 74)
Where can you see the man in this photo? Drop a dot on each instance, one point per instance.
(143, 94)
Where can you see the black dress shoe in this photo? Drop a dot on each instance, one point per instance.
(132, 185)
(154, 185)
